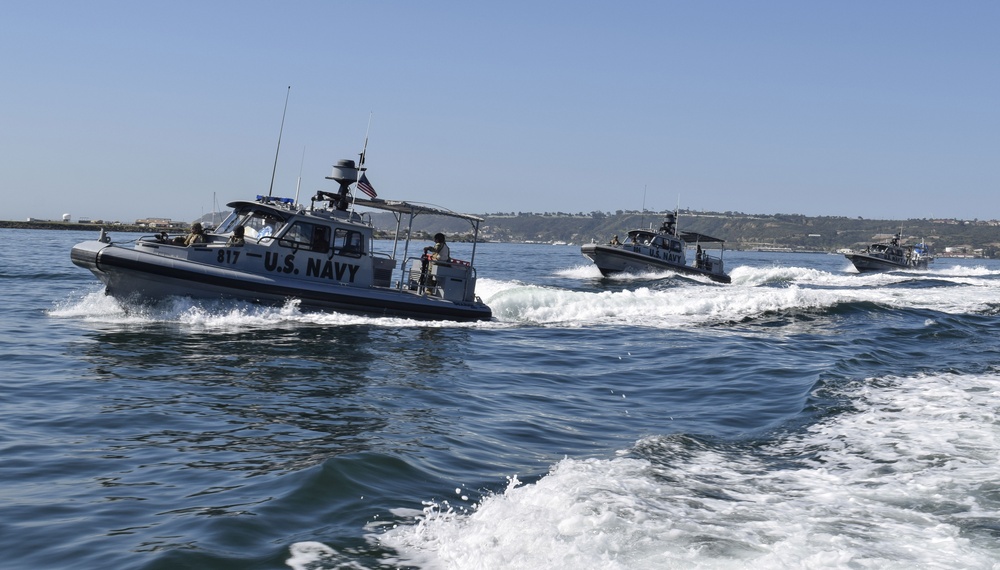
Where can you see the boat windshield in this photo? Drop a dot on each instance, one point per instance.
(258, 224)
(229, 224)
(643, 238)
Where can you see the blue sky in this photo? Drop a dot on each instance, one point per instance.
(122, 110)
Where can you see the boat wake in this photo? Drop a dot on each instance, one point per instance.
(838, 494)
(592, 272)
(754, 292)
(222, 315)
(589, 271)
(644, 301)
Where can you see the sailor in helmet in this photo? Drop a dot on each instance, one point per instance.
(197, 234)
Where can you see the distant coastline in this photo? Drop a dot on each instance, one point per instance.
(747, 232)
(53, 225)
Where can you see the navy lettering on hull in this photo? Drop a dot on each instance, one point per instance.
(333, 270)
(271, 261)
(661, 254)
(287, 264)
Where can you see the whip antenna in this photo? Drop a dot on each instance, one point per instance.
(298, 183)
(365, 148)
(361, 159)
(275, 169)
(642, 213)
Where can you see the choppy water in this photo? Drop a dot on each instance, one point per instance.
(803, 417)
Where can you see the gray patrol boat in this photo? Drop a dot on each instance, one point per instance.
(324, 255)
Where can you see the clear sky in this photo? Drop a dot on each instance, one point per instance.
(879, 109)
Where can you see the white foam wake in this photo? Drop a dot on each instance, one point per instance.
(693, 305)
(907, 481)
(754, 292)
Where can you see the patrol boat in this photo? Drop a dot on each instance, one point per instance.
(646, 250)
(325, 256)
(890, 256)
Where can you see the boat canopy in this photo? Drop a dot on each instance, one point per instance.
(411, 209)
(400, 208)
(695, 237)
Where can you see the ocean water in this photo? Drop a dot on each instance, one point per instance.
(804, 416)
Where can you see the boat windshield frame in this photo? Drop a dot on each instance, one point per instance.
(244, 210)
(646, 236)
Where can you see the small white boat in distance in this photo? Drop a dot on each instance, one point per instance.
(324, 255)
(646, 250)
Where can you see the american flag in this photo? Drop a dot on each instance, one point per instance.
(365, 186)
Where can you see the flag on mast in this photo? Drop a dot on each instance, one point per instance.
(365, 186)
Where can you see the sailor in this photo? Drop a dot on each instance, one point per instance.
(614, 240)
(340, 201)
(197, 235)
(439, 251)
(237, 239)
(320, 239)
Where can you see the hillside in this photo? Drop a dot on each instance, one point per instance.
(741, 231)
(791, 232)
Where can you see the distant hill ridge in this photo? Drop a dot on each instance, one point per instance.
(793, 232)
(741, 231)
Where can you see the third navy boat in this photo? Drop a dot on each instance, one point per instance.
(666, 249)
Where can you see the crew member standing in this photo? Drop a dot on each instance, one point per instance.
(439, 251)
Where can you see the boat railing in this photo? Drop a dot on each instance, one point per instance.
(710, 263)
(454, 280)
(159, 237)
(714, 265)
(164, 238)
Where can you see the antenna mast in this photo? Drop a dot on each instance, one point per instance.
(298, 183)
(361, 159)
(365, 148)
(642, 214)
(275, 169)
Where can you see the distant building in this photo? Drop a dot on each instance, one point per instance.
(161, 223)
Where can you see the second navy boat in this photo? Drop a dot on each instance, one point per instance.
(666, 249)
(890, 256)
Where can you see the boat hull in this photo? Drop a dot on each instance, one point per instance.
(136, 276)
(868, 263)
(618, 259)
